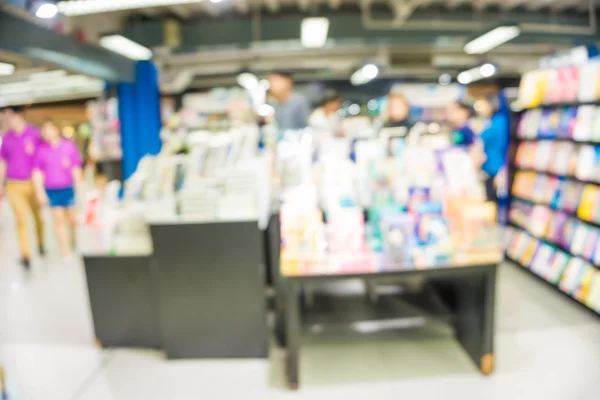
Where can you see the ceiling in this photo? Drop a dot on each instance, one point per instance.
(409, 39)
(206, 44)
(194, 8)
(37, 82)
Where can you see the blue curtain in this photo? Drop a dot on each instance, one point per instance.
(148, 108)
(139, 112)
(127, 115)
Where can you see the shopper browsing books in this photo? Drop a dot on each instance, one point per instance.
(495, 144)
(17, 153)
(291, 109)
(458, 114)
(398, 112)
(325, 118)
(57, 169)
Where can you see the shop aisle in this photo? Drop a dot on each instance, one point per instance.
(46, 343)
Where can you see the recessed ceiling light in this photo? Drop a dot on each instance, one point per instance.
(46, 11)
(487, 70)
(370, 71)
(464, 78)
(313, 32)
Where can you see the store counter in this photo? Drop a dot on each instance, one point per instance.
(123, 300)
(211, 290)
(460, 292)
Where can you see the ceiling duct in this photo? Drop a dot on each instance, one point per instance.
(397, 23)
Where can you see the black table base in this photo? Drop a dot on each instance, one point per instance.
(211, 289)
(462, 297)
(123, 301)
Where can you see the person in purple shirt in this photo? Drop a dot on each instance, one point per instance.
(17, 153)
(57, 169)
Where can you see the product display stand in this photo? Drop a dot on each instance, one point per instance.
(465, 298)
(554, 224)
(211, 290)
(123, 301)
(274, 238)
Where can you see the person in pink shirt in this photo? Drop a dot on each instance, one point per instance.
(57, 169)
(17, 153)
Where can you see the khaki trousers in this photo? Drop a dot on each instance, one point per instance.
(21, 196)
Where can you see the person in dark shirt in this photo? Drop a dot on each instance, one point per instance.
(398, 110)
(458, 114)
(291, 109)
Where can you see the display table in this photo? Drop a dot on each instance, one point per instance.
(461, 294)
(123, 300)
(211, 289)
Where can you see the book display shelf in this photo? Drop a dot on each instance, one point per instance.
(554, 217)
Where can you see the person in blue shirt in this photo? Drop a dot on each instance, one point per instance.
(292, 109)
(495, 138)
(458, 114)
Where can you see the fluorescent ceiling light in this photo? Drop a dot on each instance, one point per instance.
(128, 48)
(464, 78)
(487, 70)
(85, 7)
(477, 73)
(314, 31)
(491, 39)
(46, 11)
(365, 74)
(370, 71)
(6, 69)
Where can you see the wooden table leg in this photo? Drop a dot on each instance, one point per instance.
(474, 323)
(293, 334)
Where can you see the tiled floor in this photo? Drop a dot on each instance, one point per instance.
(546, 348)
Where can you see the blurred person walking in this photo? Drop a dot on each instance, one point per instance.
(397, 112)
(325, 118)
(495, 137)
(292, 109)
(57, 169)
(17, 153)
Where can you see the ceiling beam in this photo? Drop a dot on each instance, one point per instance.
(303, 4)
(272, 5)
(562, 5)
(481, 4)
(181, 11)
(242, 6)
(510, 4)
(335, 4)
(538, 4)
(453, 4)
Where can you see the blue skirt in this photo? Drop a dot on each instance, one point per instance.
(61, 198)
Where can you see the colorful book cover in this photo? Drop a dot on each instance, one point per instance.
(591, 242)
(582, 130)
(556, 228)
(579, 237)
(592, 299)
(568, 117)
(589, 202)
(557, 267)
(582, 286)
(572, 274)
(529, 252)
(542, 258)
